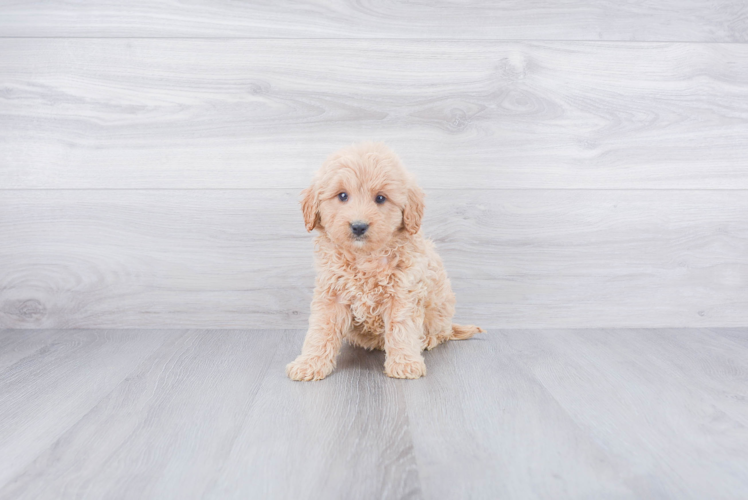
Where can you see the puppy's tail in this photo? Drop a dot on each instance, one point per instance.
(465, 332)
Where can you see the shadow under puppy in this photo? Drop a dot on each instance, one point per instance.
(380, 284)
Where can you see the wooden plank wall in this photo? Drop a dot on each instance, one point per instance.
(585, 163)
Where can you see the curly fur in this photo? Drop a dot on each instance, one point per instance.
(386, 290)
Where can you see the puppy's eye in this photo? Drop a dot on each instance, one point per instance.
(380, 199)
(343, 196)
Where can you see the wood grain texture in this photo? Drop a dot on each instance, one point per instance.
(547, 414)
(241, 258)
(161, 431)
(45, 393)
(738, 335)
(657, 401)
(16, 345)
(669, 20)
(122, 113)
(484, 427)
(346, 438)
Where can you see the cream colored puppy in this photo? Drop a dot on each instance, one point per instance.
(380, 284)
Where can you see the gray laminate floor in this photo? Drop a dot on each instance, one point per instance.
(511, 414)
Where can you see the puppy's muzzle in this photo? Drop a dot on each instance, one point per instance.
(359, 228)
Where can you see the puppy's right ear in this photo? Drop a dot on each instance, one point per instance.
(310, 207)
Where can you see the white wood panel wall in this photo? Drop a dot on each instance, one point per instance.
(660, 20)
(148, 180)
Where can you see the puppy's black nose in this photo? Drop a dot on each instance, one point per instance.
(359, 228)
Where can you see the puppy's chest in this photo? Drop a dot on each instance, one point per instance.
(369, 297)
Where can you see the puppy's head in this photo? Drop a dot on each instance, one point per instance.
(362, 197)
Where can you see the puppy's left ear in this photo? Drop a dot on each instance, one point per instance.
(310, 207)
(413, 209)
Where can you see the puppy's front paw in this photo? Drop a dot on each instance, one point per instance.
(306, 369)
(407, 369)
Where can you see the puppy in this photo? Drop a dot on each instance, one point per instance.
(380, 284)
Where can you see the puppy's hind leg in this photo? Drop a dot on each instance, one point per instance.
(327, 324)
(453, 332)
